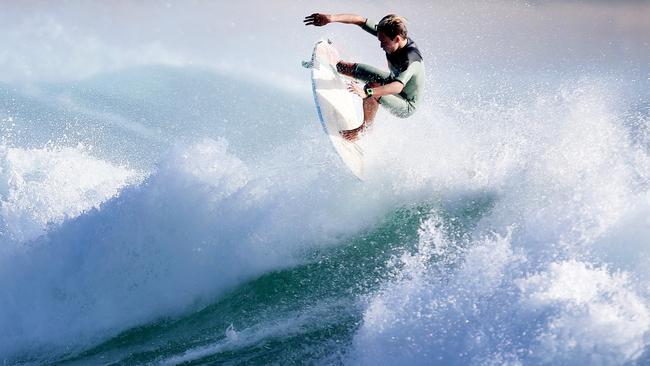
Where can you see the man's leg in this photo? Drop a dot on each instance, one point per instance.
(374, 77)
(363, 72)
(346, 68)
(397, 105)
(370, 107)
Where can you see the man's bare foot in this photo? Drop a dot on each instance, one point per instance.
(352, 135)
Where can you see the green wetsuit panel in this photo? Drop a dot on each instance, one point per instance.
(370, 27)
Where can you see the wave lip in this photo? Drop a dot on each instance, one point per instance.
(150, 251)
(202, 223)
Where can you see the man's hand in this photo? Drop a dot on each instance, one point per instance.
(357, 89)
(318, 19)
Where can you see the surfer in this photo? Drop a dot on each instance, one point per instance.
(400, 89)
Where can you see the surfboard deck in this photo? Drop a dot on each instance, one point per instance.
(335, 105)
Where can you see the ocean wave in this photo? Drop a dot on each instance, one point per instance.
(44, 187)
(548, 275)
(202, 223)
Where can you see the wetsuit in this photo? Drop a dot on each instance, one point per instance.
(405, 66)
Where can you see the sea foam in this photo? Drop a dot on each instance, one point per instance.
(548, 274)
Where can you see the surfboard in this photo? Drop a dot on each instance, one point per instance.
(335, 105)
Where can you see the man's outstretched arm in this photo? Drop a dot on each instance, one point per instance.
(320, 20)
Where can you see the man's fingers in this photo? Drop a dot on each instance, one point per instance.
(310, 18)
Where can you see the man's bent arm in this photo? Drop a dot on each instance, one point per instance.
(391, 88)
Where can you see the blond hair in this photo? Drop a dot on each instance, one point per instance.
(392, 25)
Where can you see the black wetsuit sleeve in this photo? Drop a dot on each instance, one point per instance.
(405, 63)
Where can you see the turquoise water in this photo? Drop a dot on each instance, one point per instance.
(220, 251)
(305, 314)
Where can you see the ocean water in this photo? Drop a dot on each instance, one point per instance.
(167, 195)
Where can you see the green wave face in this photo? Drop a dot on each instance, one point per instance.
(305, 314)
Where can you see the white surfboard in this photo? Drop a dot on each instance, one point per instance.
(335, 105)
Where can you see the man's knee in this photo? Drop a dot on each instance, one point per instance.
(345, 68)
(372, 84)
